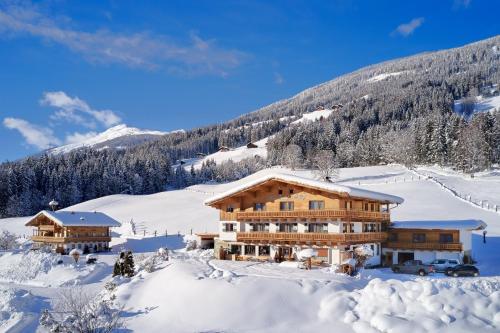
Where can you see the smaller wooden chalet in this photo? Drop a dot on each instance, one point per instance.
(67, 230)
(430, 240)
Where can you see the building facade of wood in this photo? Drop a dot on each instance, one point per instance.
(430, 240)
(280, 215)
(63, 231)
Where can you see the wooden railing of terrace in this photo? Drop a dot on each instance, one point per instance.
(346, 215)
(424, 246)
(311, 237)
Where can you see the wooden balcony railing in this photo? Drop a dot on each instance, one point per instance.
(424, 246)
(346, 238)
(49, 239)
(320, 213)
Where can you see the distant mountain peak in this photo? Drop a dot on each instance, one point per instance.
(119, 136)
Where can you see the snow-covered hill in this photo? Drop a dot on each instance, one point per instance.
(243, 152)
(120, 136)
(274, 297)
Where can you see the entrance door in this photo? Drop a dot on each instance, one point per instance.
(388, 259)
(404, 256)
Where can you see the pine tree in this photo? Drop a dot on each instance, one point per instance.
(129, 267)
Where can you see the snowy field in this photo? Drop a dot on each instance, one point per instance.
(195, 293)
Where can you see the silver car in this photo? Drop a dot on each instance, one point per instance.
(442, 265)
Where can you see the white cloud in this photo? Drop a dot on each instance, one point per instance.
(72, 109)
(79, 137)
(278, 78)
(407, 29)
(143, 50)
(40, 137)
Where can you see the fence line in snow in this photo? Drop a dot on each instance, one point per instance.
(483, 204)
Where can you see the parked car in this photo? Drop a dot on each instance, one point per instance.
(463, 270)
(442, 265)
(413, 267)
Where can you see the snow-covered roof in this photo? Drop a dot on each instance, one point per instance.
(78, 219)
(441, 224)
(311, 183)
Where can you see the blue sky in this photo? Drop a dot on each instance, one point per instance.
(73, 68)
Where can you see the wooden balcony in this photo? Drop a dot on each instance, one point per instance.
(49, 239)
(353, 215)
(434, 246)
(311, 237)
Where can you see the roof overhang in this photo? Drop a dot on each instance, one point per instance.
(340, 190)
(440, 225)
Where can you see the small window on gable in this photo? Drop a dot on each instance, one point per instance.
(366, 206)
(291, 191)
(372, 207)
(229, 209)
(280, 192)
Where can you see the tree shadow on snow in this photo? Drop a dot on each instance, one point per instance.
(152, 244)
(353, 179)
(486, 254)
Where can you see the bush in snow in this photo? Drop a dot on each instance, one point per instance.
(78, 311)
(191, 244)
(163, 253)
(75, 253)
(7, 240)
(362, 254)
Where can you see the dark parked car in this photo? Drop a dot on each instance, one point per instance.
(463, 270)
(413, 267)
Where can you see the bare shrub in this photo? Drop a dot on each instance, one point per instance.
(82, 312)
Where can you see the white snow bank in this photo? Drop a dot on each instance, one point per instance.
(40, 269)
(412, 306)
(14, 306)
(283, 304)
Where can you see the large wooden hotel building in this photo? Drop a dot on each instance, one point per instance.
(280, 214)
